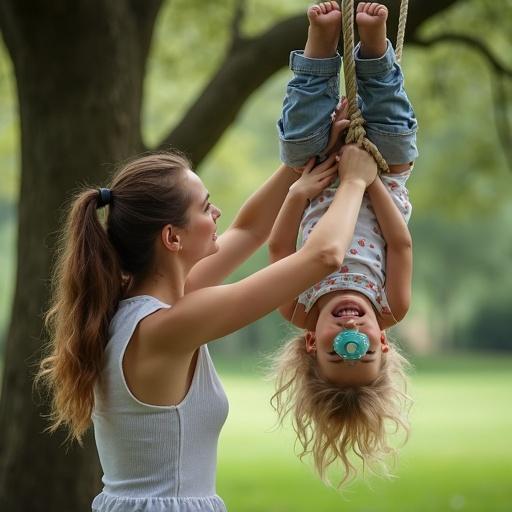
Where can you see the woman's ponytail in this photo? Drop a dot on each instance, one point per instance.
(94, 262)
(87, 286)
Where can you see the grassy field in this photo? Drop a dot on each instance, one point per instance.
(459, 456)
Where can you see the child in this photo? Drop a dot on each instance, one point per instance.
(339, 405)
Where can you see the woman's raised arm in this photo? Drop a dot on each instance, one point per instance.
(211, 313)
(248, 231)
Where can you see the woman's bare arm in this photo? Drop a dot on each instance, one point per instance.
(283, 237)
(248, 231)
(210, 313)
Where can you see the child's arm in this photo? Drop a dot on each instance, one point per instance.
(283, 238)
(398, 251)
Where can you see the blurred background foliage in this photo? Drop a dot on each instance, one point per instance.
(461, 187)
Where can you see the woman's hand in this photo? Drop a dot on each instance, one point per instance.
(340, 124)
(315, 178)
(356, 164)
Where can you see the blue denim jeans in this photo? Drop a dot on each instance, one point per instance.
(312, 96)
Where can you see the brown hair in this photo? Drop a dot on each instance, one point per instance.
(334, 422)
(95, 260)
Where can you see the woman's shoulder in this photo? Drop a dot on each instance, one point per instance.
(159, 327)
(135, 310)
(138, 301)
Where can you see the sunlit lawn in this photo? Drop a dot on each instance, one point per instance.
(459, 456)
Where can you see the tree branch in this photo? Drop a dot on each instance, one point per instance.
(249, 65)
(499, 74)
(501, 117)
(239, 15)
(145, 13)
(477, 45)
(244, 69)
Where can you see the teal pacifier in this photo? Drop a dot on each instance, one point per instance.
(351, 344)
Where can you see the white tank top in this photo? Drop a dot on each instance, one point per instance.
(156, 458)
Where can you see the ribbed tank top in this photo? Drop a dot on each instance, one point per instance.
(156, 458)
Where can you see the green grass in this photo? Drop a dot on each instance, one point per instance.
(459, 456)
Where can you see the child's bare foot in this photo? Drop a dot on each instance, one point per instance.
(324, 30)
(371, 23)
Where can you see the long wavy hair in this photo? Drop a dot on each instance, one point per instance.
(96, 260)
(334, 423)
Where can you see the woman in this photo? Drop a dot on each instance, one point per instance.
(135, 304)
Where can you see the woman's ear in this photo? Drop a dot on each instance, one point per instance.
(170, 239)
(384, 342)
(310, 339)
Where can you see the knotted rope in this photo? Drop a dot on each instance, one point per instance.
(356, 132)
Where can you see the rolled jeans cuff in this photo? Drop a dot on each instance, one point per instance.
(375, 67)
(296, 152)
(396, 148)
(309, 66)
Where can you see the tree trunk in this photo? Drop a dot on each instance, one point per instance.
(79, 68)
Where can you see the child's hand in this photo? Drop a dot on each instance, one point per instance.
(340, 123)
(356, 165)
(314, 179)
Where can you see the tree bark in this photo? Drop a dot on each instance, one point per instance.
(79, 70)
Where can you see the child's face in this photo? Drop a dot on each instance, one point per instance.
(339, 310)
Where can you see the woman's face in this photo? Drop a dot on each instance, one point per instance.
(199, 237)
(340, 310)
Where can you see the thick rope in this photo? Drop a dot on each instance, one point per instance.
(356, 132)
(404, 7)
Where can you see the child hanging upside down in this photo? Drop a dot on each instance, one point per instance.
(341, 404)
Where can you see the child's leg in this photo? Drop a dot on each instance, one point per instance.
(391, 123)
(371, 24)
(313, 93)
(324, 31)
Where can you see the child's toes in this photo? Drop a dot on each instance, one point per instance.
(382, 11)
(331, 6)
(314, 11)
(372, 8)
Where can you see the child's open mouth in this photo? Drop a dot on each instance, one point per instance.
(349, 310)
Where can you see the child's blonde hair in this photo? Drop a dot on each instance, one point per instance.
(332, 421)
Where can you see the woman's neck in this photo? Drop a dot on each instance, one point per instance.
(167, 285)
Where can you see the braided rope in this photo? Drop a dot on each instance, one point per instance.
(404, 7)
(356, 132)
